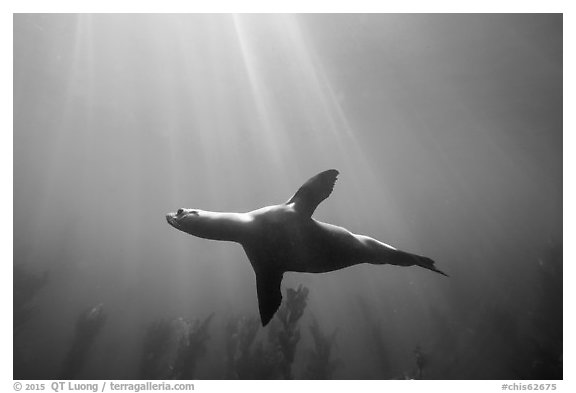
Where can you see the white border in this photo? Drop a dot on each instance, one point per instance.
(293, 6)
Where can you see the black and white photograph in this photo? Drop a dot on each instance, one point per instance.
(276, 196)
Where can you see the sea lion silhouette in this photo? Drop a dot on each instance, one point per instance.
(285, 238)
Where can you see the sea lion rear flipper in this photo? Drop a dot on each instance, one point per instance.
(428, 263)
(269, 294)
(314, 191)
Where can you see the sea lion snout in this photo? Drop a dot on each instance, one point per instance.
(172, 217)
(171, 220)
(181, 218)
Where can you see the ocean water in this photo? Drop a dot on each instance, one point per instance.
(446, 130)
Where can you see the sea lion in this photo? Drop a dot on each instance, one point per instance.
(285, 238)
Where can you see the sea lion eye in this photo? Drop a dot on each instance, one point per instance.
(180, 211)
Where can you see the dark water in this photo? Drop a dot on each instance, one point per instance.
(447, 131)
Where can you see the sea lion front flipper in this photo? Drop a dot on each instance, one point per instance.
(314, 191)
(269, 294)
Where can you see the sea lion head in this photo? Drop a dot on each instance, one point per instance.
(205, 224)
(188, 220)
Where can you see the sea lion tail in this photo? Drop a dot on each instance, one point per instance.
(428, 263)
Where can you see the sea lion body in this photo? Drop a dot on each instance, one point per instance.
(292, 243)
(285, 238)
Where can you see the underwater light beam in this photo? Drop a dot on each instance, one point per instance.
(322, 88)
(77, 107)
(273, 140)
